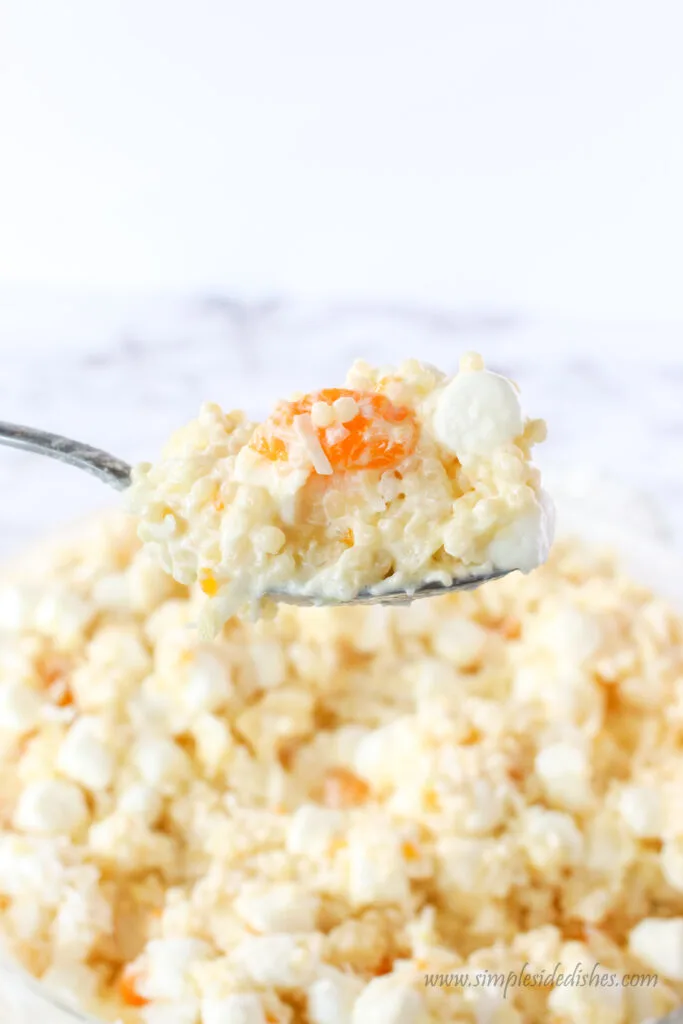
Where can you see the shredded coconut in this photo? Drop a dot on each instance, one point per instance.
(320, 461)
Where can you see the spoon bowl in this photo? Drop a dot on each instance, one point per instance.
(117, 473)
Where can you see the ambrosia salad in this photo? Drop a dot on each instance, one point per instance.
(342, 815)
(402, 477)
(338, 815)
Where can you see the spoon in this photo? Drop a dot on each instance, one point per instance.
(117, 474)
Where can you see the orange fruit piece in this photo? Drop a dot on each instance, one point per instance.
(384, 966)
(410, 851)
(54, 670)
(209, 584)
(128, 992)
(342, 788)
(380, 435)
(64, 697)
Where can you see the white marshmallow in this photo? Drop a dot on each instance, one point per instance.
(161, 762)
(564, 772)
(84, 757)
(208, 685)
(167, 967)
(284, 907)
(387, 1001)
(238, 1008)
(659, 944)
(551, 838)
(476, 413)
(331, 998)
(641, 809)
(525, 542)
(312, 829)
(274, 960)
(20, 708)
(52, 806)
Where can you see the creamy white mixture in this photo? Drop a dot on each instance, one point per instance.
(403, 477)
(297, 823)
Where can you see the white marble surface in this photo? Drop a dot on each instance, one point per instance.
(122, 373)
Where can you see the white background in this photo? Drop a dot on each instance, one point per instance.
(518, 153)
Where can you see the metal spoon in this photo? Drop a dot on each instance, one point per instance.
(117, 473)
(101, 464)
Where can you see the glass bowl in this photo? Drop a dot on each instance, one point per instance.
(23, 1000)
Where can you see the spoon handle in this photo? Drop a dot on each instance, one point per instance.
(109, 469)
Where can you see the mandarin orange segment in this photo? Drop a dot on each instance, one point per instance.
(269, 445)
(385, 965)
(209, 584)
(128, 992)
(63, 696)
(342, 788)
(410, 851)
(379, 436)
(54, 670)
(510, 628)
(471, 737)
(53, 667)
(431, 799)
